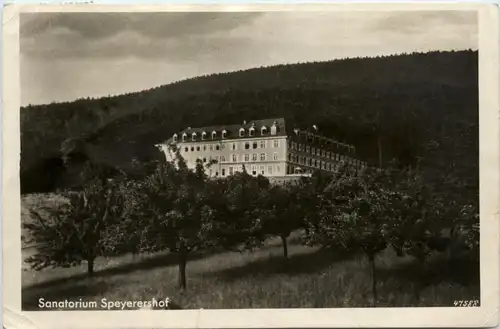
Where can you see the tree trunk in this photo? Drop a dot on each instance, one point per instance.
(285, 246)
(182, 266)
(371, 258)
(90, 267)
(379, 147)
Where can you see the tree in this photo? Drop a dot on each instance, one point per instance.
(175, 213)
(80, 230)
(282, 212)
(353, 216)
(238, 224)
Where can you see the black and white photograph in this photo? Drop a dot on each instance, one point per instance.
(254, 159)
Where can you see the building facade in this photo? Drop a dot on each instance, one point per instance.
(263, 147)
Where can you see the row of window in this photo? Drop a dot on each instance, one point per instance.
(315, 150)
(322, 164)
(232, 146)
(245, 157)
(224, 134)
(254, 170)
(318, 152)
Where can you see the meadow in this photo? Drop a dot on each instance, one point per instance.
(311, 278)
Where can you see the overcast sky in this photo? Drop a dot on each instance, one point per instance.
(65, 56)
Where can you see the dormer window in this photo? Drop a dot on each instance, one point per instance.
(242, 132)
(251, 132)
(274, 128)
(193, 137)
(175, 138)
(214, 134)
(203, 135)
(224, 133)
(184, 137)
(263, 130)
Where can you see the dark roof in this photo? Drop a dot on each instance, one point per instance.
(232, 130)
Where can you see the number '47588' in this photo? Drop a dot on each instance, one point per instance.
(466, 303)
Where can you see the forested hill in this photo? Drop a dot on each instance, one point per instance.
(422, 106)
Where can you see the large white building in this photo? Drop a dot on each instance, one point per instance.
(264, 147)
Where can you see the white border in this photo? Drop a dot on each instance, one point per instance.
(484, 316)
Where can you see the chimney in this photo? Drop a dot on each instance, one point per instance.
(244, 122)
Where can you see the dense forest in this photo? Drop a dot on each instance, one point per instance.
(421, 108)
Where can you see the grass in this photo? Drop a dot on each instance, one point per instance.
(310, 278)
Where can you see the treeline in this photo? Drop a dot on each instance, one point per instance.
(182, 211)
(421, 107)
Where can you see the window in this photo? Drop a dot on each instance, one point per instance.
(203, 135)
(310, 162)
(247, 157)
(262, 144)
(234, 146)
(275, 156)
(184, 137)
(289, 157)
(222, 146)
(211, 147)
(224, 134)
(251, 132)
(210, 172)
(308, 148)
(254, 145)
(270, 170)
(204, 147)
(192, 148)
(313, 150)
(254, 170)
(278, 169)
(214, 134)
(274, 128)
(247, 145)
(262, 157)
(223, 171)
(263, 130)
(235, 158)
(262, 172)
(242, 132)
(216, 173)
(197, 148)
(254, 157)
(204, 159)
(222, 158)
(231, 170)
(276, 143)
(175, 137)
(186, 149)
(217, 147)
(193, 137)
(217, 158)
(316, 163)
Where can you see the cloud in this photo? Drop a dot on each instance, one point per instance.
(71, 55)
(169, 35)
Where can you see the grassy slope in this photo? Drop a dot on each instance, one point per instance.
(427, 103)
(258, 280)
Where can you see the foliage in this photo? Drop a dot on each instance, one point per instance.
(418, 105)
(79, 230)
(174, 214)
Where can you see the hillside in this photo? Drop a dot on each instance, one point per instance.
(427, 107)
